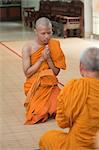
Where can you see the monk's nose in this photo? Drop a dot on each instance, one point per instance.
(46, 35)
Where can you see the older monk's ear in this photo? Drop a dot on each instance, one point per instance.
(81, 69)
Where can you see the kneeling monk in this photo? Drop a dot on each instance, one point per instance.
(42, 61)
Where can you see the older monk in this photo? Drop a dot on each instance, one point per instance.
(78, 109)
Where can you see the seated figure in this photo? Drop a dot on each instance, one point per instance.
(77, 109)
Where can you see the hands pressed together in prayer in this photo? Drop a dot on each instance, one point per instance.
(46, 54)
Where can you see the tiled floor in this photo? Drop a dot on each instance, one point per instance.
(14, 135)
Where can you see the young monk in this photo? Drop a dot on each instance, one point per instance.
(42, 61)
(78, 109)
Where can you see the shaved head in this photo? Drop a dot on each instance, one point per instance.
(90, 59)
(45, 22)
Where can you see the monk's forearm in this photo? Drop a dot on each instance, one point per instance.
(52, 66)
(61, 124)
(33, 69)
(61, 120)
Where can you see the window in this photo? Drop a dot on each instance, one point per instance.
(96, 17)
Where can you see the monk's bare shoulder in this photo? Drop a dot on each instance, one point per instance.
(27, 48)
(30, 48)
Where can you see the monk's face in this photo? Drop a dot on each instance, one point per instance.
(44, 34)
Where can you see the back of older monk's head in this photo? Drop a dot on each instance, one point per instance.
(89, 63)
(43, 21)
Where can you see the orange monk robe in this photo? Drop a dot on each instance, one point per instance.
(42, 88)
(78, 109)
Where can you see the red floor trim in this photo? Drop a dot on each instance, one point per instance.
(11, 50)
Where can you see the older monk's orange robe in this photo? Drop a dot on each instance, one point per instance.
(42, 88)
(78, 109)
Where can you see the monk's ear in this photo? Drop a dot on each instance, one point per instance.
(35, 31)
(81, 69)
(81, 66)
(52, 33)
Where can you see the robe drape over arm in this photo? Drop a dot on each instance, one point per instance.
(78, 109)
(57, 54)
(42, 88)
(70, 102)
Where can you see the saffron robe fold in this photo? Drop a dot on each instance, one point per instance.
(42, 88)
(78, 109)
